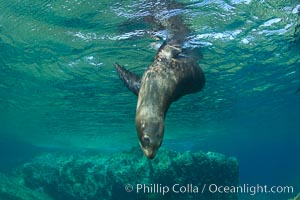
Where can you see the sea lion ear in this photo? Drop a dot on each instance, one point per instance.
(131, 80)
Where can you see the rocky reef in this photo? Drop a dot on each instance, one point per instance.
(126, 175)
(13, 188)
(296, 197)
(297, 33)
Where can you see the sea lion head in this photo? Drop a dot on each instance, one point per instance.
(150, 132)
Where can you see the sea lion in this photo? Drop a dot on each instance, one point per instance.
(168, 78)
(171, 76)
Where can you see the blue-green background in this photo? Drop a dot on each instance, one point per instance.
(59, 89)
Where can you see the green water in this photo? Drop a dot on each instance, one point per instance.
(58, 86)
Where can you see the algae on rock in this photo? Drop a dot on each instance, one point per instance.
(94, 176)
(12, 188)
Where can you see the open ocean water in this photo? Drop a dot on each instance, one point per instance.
(59, 88)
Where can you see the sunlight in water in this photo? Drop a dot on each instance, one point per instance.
(59, 88)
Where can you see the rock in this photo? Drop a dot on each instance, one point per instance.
(296, 197)
(297, 33)
(12, 188)
(94, 176)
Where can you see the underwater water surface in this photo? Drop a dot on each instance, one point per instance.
(59, 88)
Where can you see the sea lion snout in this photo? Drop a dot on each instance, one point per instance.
(150, 133)
(149, 148)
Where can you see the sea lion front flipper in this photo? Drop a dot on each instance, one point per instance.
(131, 80)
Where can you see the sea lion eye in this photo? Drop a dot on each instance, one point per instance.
(146, 140)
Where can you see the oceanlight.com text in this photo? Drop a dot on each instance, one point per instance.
(250, 189)
(207, 188)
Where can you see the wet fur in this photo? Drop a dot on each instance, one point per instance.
(167, 79)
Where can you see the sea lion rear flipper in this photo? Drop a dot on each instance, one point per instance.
(131, 80)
